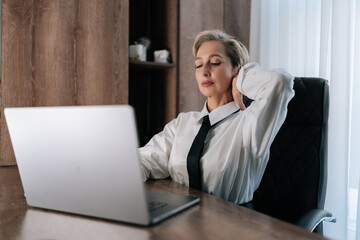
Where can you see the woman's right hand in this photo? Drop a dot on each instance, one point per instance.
(237, 95)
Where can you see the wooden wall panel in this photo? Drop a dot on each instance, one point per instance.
(237, 19)
(62, 52)
(52, 55)
(102, 55)
(171, 42)
(17, 68)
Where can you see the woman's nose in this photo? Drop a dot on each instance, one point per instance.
(206, 70)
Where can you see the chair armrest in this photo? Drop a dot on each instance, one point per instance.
(313, 218)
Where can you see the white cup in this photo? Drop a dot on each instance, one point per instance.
(137, 52)
(162, 56)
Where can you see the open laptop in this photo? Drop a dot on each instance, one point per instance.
(84, 160)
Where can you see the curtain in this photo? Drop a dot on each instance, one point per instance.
(320, 38)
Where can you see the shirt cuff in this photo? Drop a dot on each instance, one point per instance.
(242, 74)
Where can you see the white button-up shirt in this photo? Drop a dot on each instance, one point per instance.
(236, 149)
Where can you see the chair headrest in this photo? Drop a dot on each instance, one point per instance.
(310, 103)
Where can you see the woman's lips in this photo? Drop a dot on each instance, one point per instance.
(206, 83)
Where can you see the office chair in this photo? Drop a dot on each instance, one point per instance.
(294, 183)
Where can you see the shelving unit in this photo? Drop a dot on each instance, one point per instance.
(153, 86)
(150, 65)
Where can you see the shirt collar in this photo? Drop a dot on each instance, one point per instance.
(219, 113)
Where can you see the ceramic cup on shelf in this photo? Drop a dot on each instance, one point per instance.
(137, 52)
(162, 56)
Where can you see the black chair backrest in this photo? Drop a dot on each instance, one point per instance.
(294, 181)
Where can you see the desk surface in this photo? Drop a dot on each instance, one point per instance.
(213, 218)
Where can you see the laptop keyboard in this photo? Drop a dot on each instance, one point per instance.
(153, 206)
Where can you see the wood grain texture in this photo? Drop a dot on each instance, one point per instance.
(62, 52)
(171, 41)
(17, 67)
(12, 203)
(237, 19)
(102, 55)
(194, 16)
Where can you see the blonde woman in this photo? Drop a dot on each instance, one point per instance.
(236, 143)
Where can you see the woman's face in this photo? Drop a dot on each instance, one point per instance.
(214, 71)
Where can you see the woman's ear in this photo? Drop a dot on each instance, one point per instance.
(236, 70)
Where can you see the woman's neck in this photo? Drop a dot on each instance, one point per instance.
(214, 102)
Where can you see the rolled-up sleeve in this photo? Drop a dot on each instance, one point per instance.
(271, 92)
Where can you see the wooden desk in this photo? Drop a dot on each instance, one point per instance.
(213, 218)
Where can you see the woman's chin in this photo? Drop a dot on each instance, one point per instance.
(206, 92)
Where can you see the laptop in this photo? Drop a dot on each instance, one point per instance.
(84, 160)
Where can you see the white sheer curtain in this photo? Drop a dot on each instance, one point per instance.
(320, 38)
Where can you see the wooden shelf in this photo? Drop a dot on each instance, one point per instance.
(150, 65)
(153, 85)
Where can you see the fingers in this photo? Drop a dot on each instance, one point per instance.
(239, 101)
(237, 95)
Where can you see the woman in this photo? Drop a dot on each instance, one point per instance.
(236, 148)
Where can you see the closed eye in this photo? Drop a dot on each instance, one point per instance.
(198, 66)
(216, 63)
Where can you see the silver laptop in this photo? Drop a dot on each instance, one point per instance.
(84, 160)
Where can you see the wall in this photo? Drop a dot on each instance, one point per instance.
(62, 52)
(75, 52)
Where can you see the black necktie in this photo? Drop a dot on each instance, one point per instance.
(193, 158)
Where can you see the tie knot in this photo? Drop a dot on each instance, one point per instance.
(206, 121)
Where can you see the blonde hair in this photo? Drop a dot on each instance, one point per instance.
(235, 50)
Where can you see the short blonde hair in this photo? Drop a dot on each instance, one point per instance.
(235, 50)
